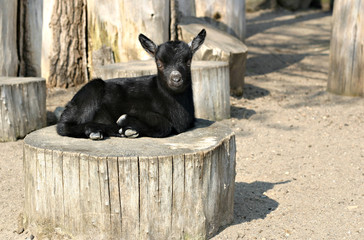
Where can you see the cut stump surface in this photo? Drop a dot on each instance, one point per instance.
(180, 187)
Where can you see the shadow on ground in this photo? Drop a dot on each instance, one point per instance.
(270, 19)
(250, 201)
(272, 62)
(250, 92)
(241, 112)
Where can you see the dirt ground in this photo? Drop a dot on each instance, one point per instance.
(300, 151)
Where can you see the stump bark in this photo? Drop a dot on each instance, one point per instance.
(22, 106)
(180, 187)
(346, 72)
(210, 83)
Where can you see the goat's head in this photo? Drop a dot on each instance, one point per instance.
(173, 60)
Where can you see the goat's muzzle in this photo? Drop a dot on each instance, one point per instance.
(176, 76)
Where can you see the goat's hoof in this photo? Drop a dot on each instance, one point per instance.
(130, 133)
(121, 119)
(96, 136)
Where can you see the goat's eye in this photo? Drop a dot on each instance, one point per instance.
(159, 64)
(189, 63)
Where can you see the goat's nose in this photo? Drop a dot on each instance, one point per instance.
(176, 76)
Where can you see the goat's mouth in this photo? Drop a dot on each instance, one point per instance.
(175, 84)
(175, 80)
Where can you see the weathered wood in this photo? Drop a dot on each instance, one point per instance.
(210, 84)
(115, 25)
(22, 106)
(64, 61)
(104, 30)
(29, 37)
(228, 16)
(150, 18)
(8, 35)
(218, 46)
(346, 72)
(229, 13)
(180, 187)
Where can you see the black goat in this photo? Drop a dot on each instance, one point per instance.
(153, 106)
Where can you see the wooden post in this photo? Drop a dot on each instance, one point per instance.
(8, 44)
(346, 71)
(210, 84)
(180, 187)
(22, 106)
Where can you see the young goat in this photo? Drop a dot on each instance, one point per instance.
(153, 106)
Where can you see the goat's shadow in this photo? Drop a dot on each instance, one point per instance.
(251, 203)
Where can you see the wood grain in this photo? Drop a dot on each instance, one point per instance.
(22, 106)
(346, 72)
(181, 190)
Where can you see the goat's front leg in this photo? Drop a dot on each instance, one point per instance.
(148, 124)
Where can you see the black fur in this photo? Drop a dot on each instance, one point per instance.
(153, 106)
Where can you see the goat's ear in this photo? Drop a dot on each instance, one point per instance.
(147, 44)
(196, 43)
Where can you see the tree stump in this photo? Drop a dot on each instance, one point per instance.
(346, 72)
(180, 187)
(210, 83)
(22, 106)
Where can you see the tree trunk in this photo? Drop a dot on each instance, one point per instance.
(210, 84)
(346, 72)
(180, 187)
(8, 45)
(64, 60)
(22, 106)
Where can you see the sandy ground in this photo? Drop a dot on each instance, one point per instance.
(300, 151)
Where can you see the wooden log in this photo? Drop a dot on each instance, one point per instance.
(22, 106)
(218, 46)
(8, 35)
(210, 84)
(346, 72)
(64, 61)
(180, 187)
